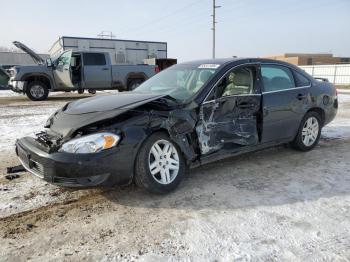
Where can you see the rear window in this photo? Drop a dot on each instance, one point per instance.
(276, 78)
(300, 80)
(94, 59)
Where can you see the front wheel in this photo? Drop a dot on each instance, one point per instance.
(37, 91)
(159, 166)
(309, 132)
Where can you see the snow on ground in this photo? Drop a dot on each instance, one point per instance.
(340, 126)
(23, 119)
(275, 205)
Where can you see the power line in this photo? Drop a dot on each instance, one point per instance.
(162, 18)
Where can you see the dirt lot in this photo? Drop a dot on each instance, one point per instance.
(273, 205)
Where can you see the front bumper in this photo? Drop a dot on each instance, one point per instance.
(107, 168)
(17, 86)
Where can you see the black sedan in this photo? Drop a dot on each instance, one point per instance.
(188, 115)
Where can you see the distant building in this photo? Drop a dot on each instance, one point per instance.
(13, 58)
(310, 59)
(121, 51)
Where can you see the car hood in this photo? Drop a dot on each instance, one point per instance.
(37, 59)
(83, 112)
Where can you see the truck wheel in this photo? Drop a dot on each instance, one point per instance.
(37, 91)
(159, 166)
(92, 91)
(81, 91)
(134, 83)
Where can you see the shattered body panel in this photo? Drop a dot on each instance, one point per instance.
(228, 122)
(204, 128)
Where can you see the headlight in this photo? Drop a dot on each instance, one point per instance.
(90, 143)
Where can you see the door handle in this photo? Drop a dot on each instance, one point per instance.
(245, 105)
(105, 68)
(301, 96)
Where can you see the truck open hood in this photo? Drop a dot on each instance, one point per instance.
(87, 111)
(37, 59)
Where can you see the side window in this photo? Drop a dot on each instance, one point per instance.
(276, 78)
(93, 59)
(239, 81)
(300, 80)
(64, 59)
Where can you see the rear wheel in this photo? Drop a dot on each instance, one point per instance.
(134, 83)
(309, 132)
(37, 91)
(159, 166)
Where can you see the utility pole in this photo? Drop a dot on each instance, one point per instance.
(214, 22)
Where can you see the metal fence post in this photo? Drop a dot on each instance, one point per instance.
(335, 74)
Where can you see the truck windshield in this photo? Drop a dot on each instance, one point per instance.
(180, 82)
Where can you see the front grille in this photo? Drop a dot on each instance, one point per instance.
(65, 180)
(29, 164)
(37, 167)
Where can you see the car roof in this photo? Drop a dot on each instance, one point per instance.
(225, 61)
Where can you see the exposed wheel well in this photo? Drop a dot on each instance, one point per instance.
(40, 78)
(319, 111)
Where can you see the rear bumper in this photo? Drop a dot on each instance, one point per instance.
(108, 168)
(331, 112)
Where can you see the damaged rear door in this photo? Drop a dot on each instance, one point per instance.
(228, 119)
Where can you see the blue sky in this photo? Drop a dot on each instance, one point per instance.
(245, 27)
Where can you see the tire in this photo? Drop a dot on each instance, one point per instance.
(134, 83)
(161, 182)
(309, 132)
(81, 91)
(37, 91)
(92, 91)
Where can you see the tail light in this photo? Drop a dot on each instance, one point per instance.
(156, 69)
(336, 91)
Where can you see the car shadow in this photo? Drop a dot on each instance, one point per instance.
(275, 176)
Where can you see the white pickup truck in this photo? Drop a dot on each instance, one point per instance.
(75, 71)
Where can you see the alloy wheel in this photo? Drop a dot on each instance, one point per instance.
(163, 162)
(37, 91)
(310, 131)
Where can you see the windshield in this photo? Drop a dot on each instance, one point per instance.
(180, 81)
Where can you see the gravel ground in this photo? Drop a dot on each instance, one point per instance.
(273, 205)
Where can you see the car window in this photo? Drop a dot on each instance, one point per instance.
(300, 80)
(181, 81)
(239, 81)
(64, 59)
(276, 78)
(94, 59)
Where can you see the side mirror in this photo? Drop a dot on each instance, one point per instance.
(49, 62)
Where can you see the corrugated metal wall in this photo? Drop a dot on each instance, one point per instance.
(121, 51)
(337, 74)
(10, 58)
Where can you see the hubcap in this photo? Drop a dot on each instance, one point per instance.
(37, 91)
(310, 131)
(163, 162)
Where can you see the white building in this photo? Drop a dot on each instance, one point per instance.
(121, 51)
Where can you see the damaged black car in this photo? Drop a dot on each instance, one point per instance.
(188, 115)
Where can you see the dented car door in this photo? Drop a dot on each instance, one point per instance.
(228, 118)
